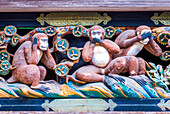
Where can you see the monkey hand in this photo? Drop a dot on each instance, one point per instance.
(146, 34)
(96, 40)
(34, 44)
(150, 37)
(69, 77)
(12, 67)
(34, 41)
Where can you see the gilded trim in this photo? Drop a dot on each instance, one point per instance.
(73, 19)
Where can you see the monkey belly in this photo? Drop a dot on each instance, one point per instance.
(26, 74)
(100, 57)
(135, 49)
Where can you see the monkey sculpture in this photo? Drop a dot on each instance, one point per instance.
(26, 59)
(131, 42)
(99, 52)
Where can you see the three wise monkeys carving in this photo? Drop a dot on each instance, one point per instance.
(105, 56)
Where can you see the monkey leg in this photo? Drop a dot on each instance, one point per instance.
(116, 66)
(90, 73)
(141, 64)
(27, 74)
(132, 65)
(43, 72)
(12, 79)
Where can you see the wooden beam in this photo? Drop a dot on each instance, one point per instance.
(83, 5)
(46, 9)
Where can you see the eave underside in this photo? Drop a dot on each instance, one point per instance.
(83, 5)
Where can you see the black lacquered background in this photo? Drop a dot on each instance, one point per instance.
(26, 22)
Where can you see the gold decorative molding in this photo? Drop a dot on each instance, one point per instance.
(164, 105)
(164, 18)
(81, 105)
(73, 18)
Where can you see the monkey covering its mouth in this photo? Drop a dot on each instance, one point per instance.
(97, 36)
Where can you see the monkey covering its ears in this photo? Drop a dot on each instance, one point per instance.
(26, 59)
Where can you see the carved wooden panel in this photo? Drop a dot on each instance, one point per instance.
(83, 5)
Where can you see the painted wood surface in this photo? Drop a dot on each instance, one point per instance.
(118, 19)
(83, 5)
(111, 105)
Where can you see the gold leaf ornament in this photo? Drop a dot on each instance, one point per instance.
(41, 19)
(164, 18)
(73, 18)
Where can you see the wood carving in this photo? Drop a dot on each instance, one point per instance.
(131, 42)
(100, 52)
(102, 77)
(26, 59)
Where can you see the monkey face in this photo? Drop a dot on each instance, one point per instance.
(143, 29)
(96, 34)
(43, 44)
(145, 41)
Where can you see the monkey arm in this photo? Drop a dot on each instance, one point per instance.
(153, 48)
(24, 38)
(31, 53)
(48, 60)
(110, 46)
(127, 42)
(30, 34)
(87, 53)
(126, 39)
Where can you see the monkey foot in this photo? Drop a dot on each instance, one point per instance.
(74, 80)
(36, 87)
(12, 79)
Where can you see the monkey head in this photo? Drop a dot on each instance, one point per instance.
(141, 30)
(96, 32)
(42, 41)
